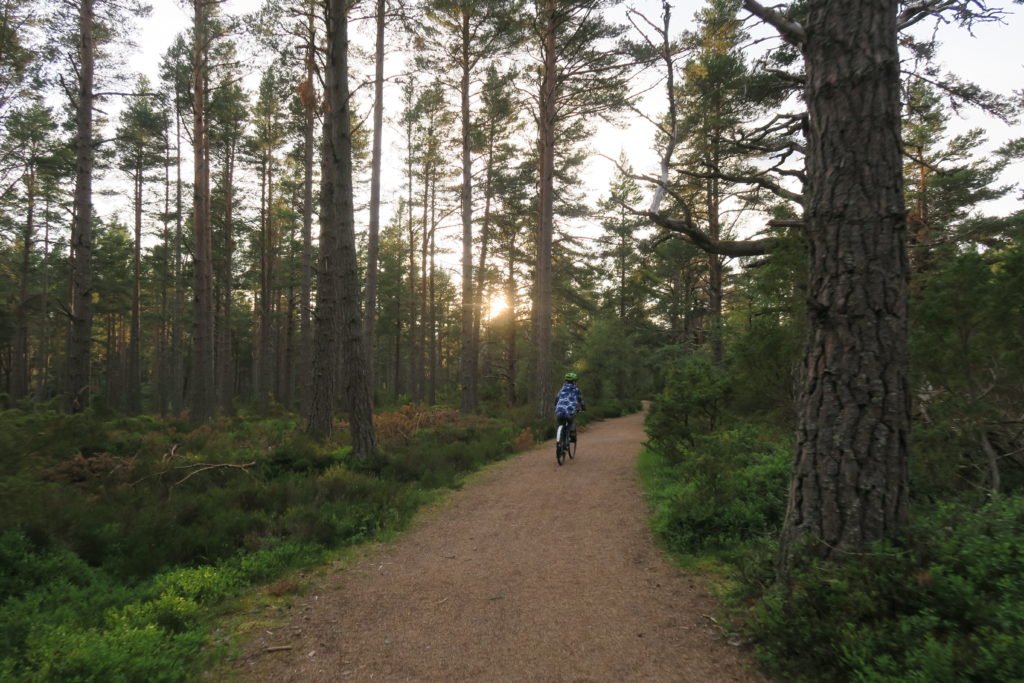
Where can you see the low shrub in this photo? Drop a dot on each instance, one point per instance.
(692, 403)
(726, 489)
(945, 603)
(120, 536)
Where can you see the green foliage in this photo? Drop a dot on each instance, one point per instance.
(945, 603)
(120, 537)
(437, 456)
(614, 366)
(691, 403)
(967, 352)
(725, 490)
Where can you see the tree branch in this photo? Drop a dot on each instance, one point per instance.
(702, 241)
(791, 31)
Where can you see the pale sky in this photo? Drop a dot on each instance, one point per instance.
(992, 58)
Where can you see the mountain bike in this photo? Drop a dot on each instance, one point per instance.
(564, 443)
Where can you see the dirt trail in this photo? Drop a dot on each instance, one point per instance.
(533, 572)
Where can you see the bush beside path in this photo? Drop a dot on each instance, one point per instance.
(531, 572)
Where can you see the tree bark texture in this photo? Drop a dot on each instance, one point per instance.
(80, 342)
(545, 230)
(202, 376)
(468, 356)
(373, 237)
(850, 479)
(339, 270)
(324, 384)
(305, 323)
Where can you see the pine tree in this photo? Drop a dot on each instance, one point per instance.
(578, 79)
(139, 148)
(29, 137)
(337, 312)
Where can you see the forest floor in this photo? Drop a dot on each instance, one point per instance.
(530, 572)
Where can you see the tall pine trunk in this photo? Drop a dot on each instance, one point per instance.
(225, 356)
(715, 269)
(264, 364)
(80, 339)
(340, 319)
(163, 360)
(134, 388)
(324, 386)
(177, 387)
(432, 330)
(42, 387)
(424, 350)
(414, 354)
(481, 270)
(850, 480)
(305, 323)
(202, 375)
(542, 302)
(468, 356)
(511, 360)
(20, 352)
(373, 238)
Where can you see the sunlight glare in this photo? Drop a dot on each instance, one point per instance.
(496, 305)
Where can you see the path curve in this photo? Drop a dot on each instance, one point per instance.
(532, 572)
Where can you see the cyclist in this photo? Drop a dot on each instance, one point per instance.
(569, 402)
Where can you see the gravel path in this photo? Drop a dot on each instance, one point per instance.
(532, 572)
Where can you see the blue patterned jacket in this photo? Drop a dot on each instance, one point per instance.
(569, 401)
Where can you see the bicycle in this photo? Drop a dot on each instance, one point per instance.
(564, 443)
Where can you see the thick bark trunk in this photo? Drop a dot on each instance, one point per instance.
(324, 386)
(305, 325)
(373, 238)
(339, 271)
(202, 376)
(545, 233)
(468, 355)
(356, 387)
(80, 342)
(850, 480)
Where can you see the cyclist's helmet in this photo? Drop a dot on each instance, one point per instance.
(570, 377)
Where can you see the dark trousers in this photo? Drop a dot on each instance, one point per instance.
(571, 422)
